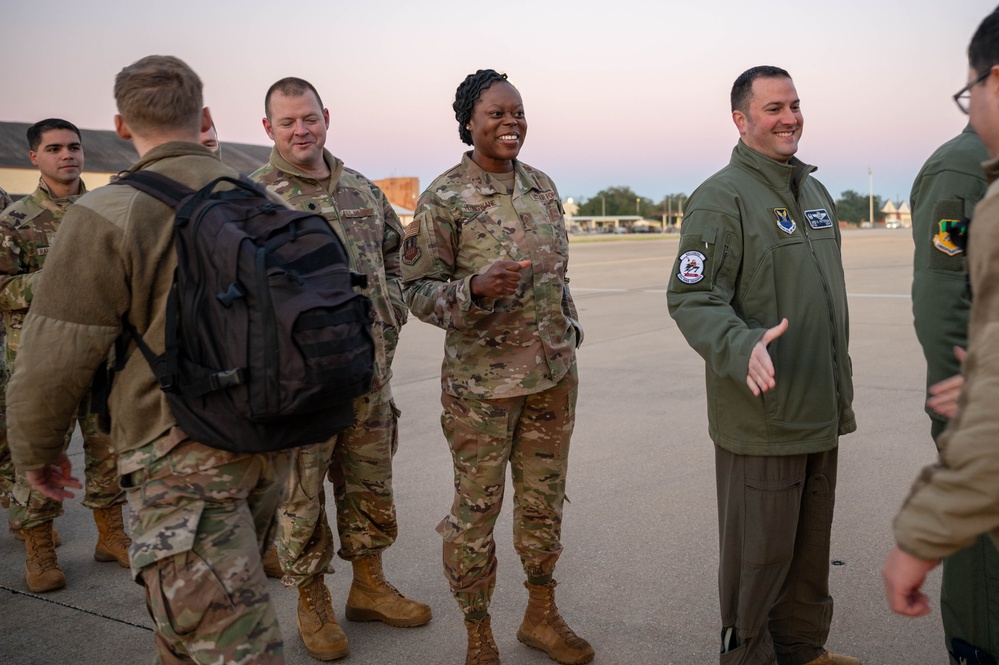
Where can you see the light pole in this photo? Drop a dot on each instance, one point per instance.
(870, 197)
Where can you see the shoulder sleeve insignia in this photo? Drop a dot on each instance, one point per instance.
(691, 267)
(947, 243)
(411, 249)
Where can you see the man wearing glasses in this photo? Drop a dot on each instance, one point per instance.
(956, 500)
(944, 196)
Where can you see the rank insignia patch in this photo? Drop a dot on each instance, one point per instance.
(818, 219)
(691, 267)
(943, 242)
(784, 221)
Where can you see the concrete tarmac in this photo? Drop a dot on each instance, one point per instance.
(638, 572)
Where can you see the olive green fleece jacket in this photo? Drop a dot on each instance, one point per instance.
(760, 242)
(115, 257)
(956, 500)
(951, 182)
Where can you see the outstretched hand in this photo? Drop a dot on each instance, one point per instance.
(53, 479)
(760, 377)
(499, 281)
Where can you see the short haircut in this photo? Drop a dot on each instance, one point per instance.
(467, 94)
(290, 86)
(159, 92)
(983, 51)
(36, 130)
(742, 89)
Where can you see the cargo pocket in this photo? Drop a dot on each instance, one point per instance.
(184, 593)
(771, 510)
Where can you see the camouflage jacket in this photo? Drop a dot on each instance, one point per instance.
(27, 230)
(370, 230)
(5, 200)
(464, 222)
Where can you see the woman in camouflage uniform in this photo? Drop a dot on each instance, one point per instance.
(485, 259)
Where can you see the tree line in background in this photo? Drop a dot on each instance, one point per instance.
(851, 207)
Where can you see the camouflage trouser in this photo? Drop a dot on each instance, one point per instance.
(6, 463)
(359, 463)
(532, 432)
(199, 520)
(30, 508)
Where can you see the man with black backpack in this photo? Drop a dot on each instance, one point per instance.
(358, 461)
(199, 515)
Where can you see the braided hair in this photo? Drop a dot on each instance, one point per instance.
(467, 94)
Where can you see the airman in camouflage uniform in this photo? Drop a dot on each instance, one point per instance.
(358, 461)
(27, 230)
(199, 516)
(485, 258)
(5, 200)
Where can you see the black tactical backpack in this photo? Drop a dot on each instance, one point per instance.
(267, 344)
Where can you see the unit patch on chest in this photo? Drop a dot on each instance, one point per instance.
(818, 219)
(784, 221)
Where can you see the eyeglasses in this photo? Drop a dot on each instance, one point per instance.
(964, 94)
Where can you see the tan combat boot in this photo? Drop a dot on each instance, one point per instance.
(372, 598)
(481, 645)
(272, 567)
(41, 569)
(834, 659)
(322, 635)
(112, 541)
(19, 535)
(544, 628)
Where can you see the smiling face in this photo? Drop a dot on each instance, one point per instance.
(498, 128)
(772, 122)
(297, 125)
(59, 158)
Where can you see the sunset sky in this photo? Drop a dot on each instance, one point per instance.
(632, 92)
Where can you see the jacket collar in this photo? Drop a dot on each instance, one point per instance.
(170, 149)
(335, 165)
(487, 185)
(43, 195)
(770, 172)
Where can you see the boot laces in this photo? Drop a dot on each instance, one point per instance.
(319, 600)
(378, 575)
(482, 646)
(42, 554)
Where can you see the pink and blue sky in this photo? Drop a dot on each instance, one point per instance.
(630, 92)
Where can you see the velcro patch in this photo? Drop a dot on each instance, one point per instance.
(543, 196)
(784, 221)
(943, 241)
(413, 228)
(411, 249)
(818, 219)
(479, 207)
(357, 212)
(691, 267)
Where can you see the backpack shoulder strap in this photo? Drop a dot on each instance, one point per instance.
(157, 185)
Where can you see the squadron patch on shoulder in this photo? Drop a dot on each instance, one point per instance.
(411, 249)
(818, 219)
(943, 242)
(784, 221)
(691, 267)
